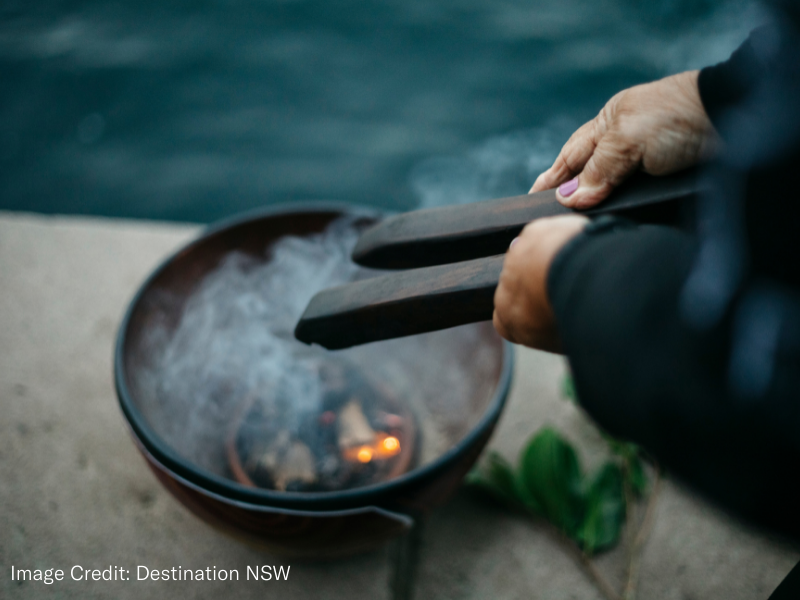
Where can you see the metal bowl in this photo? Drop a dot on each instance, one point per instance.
(294, 524)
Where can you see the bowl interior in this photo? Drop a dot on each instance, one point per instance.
(424, 392)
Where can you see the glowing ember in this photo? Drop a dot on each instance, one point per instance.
(384, 446)
(350, 442)
(391, 444)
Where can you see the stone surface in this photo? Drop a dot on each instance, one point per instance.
(74, 491)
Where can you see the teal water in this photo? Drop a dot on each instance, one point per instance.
(197, 110)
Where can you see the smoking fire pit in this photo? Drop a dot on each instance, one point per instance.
(301, 451)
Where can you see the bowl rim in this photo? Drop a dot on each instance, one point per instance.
(222, 488)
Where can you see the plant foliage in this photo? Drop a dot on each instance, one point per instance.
(549, 482)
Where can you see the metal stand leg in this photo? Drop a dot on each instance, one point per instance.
(404, 557)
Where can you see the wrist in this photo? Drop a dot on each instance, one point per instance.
(594, 228)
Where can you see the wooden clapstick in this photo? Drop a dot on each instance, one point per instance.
(400, 304)
(438, 297)
(450, 234)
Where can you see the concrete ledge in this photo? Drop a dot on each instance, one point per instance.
(73, 490)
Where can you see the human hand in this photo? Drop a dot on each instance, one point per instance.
(659, 127)
(522, 310)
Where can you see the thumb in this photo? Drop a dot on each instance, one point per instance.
(613, 160)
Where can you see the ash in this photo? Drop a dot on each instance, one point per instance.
(234, 348)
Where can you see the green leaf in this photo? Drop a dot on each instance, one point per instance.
(568, 388)
(549, 481)
(495, 476)
(625, 450)
(605, 510)
(630, 453)
(637, 478)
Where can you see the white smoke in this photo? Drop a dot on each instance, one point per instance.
(658, 37)
(504, 165)
(234, 345)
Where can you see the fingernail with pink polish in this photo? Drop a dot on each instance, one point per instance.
(568, 188)
(514, 241)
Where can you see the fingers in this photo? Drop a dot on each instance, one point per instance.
(522, 309)
(597, 158)
(571, 159)
(615, 157)
(501, 328)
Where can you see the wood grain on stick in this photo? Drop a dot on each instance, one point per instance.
(450, 234)
(400, 304)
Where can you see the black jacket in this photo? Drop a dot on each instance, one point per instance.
(689, 343)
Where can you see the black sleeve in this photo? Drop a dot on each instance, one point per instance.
(725, 84)
(644, 375)
(718, 402)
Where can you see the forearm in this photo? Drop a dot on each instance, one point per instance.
(614, 295)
